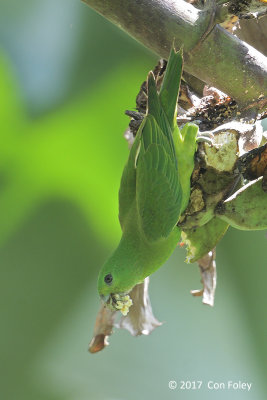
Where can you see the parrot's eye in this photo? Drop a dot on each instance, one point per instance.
(108, 279)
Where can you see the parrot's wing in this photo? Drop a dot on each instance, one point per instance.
(127, 190)
(151, 173)
(158, 190)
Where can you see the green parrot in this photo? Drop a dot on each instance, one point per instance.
(154, 191)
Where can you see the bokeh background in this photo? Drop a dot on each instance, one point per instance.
(66, 77)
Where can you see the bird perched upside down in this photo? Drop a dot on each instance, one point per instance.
(154, 191)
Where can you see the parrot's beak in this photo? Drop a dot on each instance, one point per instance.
(104, 298)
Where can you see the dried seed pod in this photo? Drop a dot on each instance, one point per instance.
(140, 319)
(200, 241)
(254, 164)
(247, 208)
(207, 266)
(103, 329)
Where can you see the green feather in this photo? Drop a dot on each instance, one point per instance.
(171, 84)
(158, 189)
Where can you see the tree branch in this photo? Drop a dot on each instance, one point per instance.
(212, 55)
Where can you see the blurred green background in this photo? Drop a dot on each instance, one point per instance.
(66, 77)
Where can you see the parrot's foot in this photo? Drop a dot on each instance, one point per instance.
(206, 137)
(119, 301)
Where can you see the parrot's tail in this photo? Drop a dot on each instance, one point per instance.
(166, 100)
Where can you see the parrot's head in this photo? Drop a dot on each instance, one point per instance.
(115, 281)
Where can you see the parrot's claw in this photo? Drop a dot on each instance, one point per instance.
(206, 137)
(119, 301)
